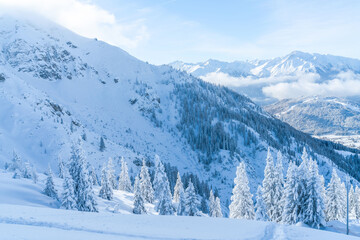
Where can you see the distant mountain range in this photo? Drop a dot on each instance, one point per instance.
(251, 77)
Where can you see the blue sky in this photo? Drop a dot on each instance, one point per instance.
(161, 31)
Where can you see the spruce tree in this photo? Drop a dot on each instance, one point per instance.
(218, 212)
(178, 188)
(111, 173)
(242, 205)
(191, 200)
(124, 179)
(145, 184)
(260, 208)
(357, 203)
(315, 203)
(106, 191)
(181, 207)
(102, 145)
(50, 186)
(93, 176)
(61, 166)
(84, 195)
(303, 181)
(68, 196)
(212, 204)
(352, 200)
(335, 199)
(139, 202)
(16, 163)
(291, 202)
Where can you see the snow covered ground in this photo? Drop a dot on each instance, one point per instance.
(25, 213)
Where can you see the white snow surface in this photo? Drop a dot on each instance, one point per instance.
(25, 213)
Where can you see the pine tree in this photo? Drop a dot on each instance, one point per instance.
(61, 168)
(162, 189)
(27, 171)
(84, 195)
(272, 188)
(303, 181)
(68, 196)
(315, 204)
(191, 200)
(218, 212)
(181, 208)
(335, 199)
(145, 184)
(291, 202)
(106, 191)
(139, 203)
(16, 163)
(178, 188)
(260, 208)
(50, 186)
(93, 176)
(102, 145)
(124, 179)
(357, 203)
(242, 205)
(111, 173)
(352, 200)
(212, 204)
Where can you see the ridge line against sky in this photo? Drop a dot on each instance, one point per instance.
(162, 31)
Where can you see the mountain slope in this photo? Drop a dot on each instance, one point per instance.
(58, 86)
(251, 77)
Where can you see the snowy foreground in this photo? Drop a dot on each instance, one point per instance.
(25, 213)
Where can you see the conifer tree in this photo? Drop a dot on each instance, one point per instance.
(124, 179)
(291, 202)
(160, 179)
(242, 205)
(218, 212)
(84, 195)
(212, 204)
(16, 163)
(93, 176)
(61, 166)
(260, 208)
(191, 200)
(178, 188)
(315, 204)
(272, 189)
(27, 171)
(106, 191)
(139, 202)
(68, 196)
(181, 210)
(50, 186)
(102, 145)
(303, 181)
(335, 199)
(111, 173)
(352, 200)
(145, 184)
(357, 203)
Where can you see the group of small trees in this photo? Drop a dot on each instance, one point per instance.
(21, 169)
(183, 202)
(300, 198)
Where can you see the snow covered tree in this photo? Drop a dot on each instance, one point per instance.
(217, 212)
(181, 210)
(178, 188)
(61, 167)
(272, 188)
(139, 203)
(162, 189)
(352, 200)
(145, 184)
(212, 204)
(93, 176)
(16, 163)
(191, 200)
(27, 171)
(303, 181)
(68, 196)
(260, 208)
(291, 202)
(83, 188)
(357, 203)
(242, 205)
(315, 203)
(50, 186)
(335, 199)
(106, 191)
(111, 173)
(124, 179)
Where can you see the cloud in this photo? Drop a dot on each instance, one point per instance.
(345, 84)
(86, 19)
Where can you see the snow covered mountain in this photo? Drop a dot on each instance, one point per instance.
(251, 77)
(334, 118)
(56, 86)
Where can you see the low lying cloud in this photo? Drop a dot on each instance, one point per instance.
(86, 19)
(345, 84)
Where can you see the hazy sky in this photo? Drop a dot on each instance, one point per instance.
(161, 31)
